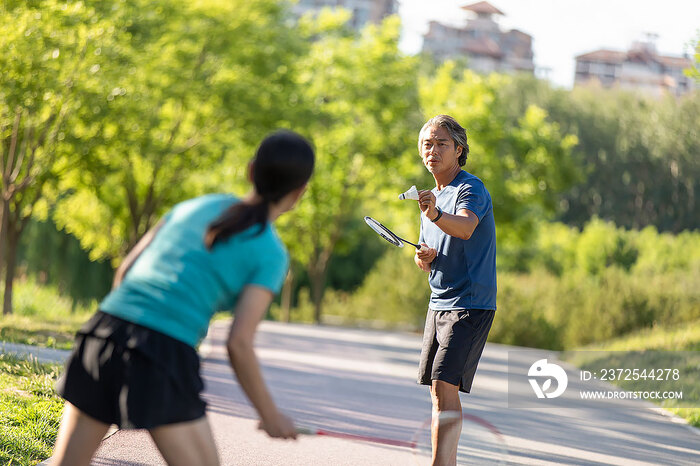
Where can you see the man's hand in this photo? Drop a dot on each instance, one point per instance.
(424, 256)
(426, 202)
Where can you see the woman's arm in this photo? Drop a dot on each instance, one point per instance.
(251, 308)
(134, 254)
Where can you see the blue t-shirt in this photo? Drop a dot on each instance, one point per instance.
(177, 284)
(463, 274)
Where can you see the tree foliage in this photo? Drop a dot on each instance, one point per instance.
(640, 158)
(359, 92)
(47, 73)
(694, 71)
(191, 88)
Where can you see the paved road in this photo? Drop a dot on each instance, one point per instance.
(362, 382)
(41, 354)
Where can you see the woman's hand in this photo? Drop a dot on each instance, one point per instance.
(279, 427)
(250, 309)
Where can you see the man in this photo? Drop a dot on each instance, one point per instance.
(458, 236)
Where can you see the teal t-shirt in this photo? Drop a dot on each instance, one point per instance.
(177, 284)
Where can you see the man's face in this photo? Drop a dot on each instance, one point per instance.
(438, 150)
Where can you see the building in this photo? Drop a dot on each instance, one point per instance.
(640, 68)
(481, 40)
(363, 11)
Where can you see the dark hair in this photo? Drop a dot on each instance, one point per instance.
(455, 130)
(283, 162)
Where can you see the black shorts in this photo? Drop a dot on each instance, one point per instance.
(452, 345)
(125, 374)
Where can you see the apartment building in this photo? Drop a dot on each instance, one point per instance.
(363, 11)
(481, 41)
(640, 68)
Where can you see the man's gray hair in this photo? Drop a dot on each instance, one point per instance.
(454, 129)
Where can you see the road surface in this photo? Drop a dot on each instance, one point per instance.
(363, 382)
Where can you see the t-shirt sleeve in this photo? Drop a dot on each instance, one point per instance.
(168, 215)
(271, 270)
(421, 238)
(474, 197)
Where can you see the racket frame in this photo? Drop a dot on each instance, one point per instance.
(393, 235)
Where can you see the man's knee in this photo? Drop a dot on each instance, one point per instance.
(445, 396)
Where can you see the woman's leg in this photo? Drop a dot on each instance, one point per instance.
(187, 443)
(78, 438)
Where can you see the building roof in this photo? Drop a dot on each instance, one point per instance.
(483, 7)
(606, 56)
(676, 62)
(519, 33)
(616, 57)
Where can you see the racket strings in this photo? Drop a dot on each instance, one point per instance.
(384, 232)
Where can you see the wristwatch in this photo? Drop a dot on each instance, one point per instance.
(438, 215)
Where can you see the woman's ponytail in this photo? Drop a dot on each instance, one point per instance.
(235, 219)
(283, 162)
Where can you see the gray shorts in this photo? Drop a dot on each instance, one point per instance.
(452, 345)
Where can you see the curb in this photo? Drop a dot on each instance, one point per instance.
(41, 354)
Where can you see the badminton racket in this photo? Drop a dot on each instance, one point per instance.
(356, 437)
(387, 234)
(447, 416)
(480, 442)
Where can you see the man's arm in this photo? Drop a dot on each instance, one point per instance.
(461, 225)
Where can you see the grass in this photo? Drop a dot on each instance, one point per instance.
(672, 347)
(42, 317)
(30, 408)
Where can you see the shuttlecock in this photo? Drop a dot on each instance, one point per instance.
(412, 193)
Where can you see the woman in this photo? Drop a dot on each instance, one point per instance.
(135, 364)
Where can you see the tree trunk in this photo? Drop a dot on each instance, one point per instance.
(10, 263)
(4, 215)
(286, 298)
(317, 276)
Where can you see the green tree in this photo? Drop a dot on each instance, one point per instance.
(56, 258)
(360, 94)
(194, 87)
(50, 54)
(639, 156)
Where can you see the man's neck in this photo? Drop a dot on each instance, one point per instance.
(446, 177)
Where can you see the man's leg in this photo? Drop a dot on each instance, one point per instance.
(445, 432)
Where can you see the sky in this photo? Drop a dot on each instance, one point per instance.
(563, 29)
